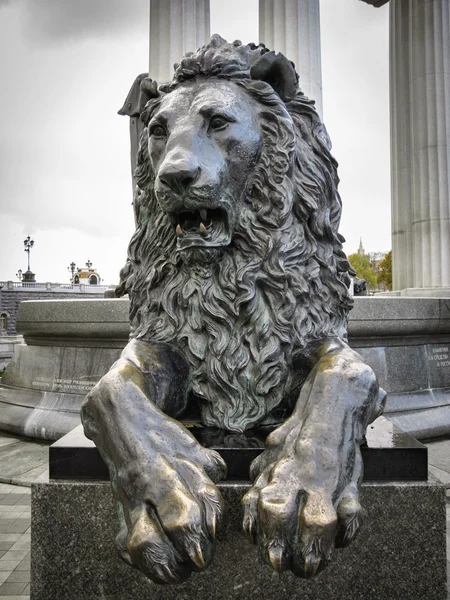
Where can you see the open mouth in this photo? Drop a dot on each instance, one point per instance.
(203, 227)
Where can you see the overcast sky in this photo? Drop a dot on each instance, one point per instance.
(65, 69)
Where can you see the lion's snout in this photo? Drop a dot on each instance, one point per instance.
(178, 175)
(181, 184)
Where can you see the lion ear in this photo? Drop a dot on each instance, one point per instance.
(277, 71)
(140, 93)
(148, 90)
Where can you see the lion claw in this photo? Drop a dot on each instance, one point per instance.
(196, 555)
(312, 564)
(275, 553)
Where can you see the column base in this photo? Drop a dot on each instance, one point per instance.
(435, 292)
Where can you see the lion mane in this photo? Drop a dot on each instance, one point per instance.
(243, 318)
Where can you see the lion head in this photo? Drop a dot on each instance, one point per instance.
(236, 258)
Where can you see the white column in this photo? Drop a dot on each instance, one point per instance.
(293, 28)
(176, 27)
(420, 147)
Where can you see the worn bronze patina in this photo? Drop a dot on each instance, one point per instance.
(239, 302)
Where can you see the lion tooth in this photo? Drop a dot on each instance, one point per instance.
(202, 229)
(203, 213)
(178, 230)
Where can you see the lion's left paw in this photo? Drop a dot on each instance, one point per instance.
(296, 521)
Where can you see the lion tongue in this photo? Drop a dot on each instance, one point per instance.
(190, 225)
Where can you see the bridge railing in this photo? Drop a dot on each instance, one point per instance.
(54, 287)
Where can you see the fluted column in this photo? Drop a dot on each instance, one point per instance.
(420, 134)
(176, 27)
(293, 28)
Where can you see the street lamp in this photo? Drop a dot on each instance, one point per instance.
(72, 268)
(19, 274)
(28, 243)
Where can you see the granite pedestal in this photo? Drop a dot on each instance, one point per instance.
(400, 553)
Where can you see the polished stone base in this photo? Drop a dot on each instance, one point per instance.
(389, 454)
(400, 553)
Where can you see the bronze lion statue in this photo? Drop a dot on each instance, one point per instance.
(239, 301)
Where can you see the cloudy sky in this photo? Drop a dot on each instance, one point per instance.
(66, 67)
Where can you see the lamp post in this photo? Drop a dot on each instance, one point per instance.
(88, 264)
(72, 268)
(28, 276)
(28, 243)
(19, 274)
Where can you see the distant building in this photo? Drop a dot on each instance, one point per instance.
(374, 257)
(375, 260)
(361, 251)
(86, 275)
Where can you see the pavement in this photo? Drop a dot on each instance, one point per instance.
(15, 540)
(24, 461)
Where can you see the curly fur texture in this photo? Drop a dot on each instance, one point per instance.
(243, 316)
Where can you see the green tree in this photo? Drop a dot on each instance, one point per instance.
(385, 273)
(363, 269)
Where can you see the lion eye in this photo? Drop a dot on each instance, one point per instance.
(218, 122)
(157, 131)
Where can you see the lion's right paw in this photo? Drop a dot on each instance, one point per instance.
(171, 520)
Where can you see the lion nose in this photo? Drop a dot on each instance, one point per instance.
(178, 177)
